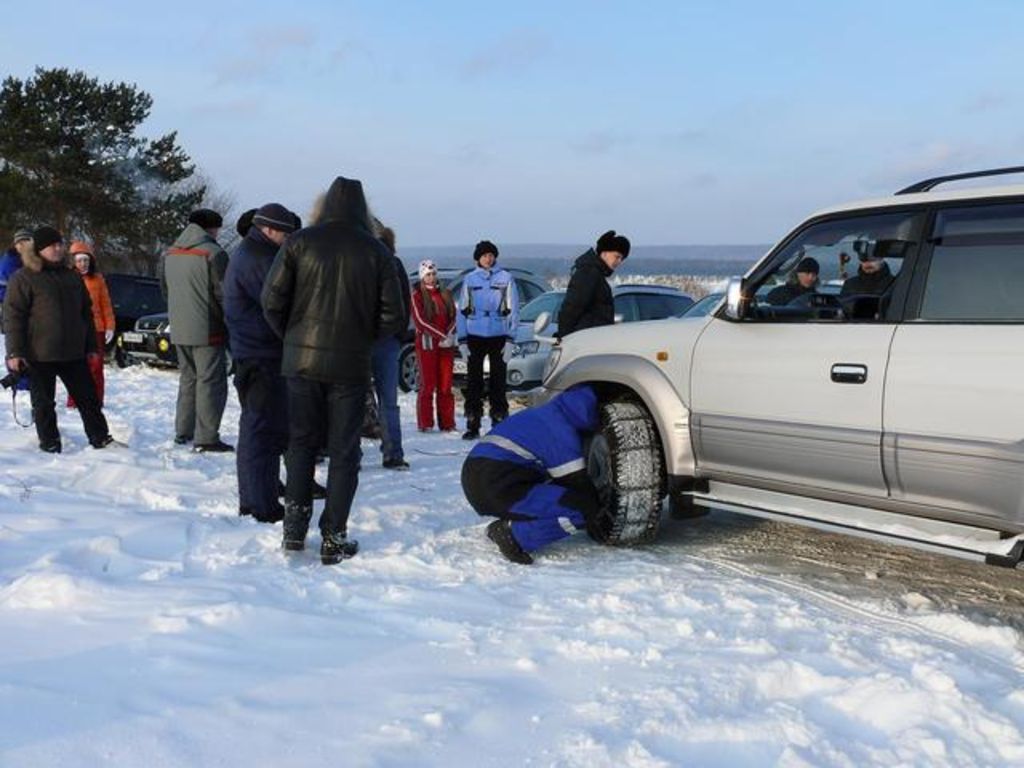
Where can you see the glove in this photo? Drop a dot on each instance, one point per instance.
(447, 342)
(107, 336)
(464, 351)
(507, 350)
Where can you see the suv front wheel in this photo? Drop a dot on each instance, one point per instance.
(625, 463)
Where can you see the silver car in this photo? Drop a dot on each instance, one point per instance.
(883, 397)
(633, 302)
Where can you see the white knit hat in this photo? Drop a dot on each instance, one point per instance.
(427, 267)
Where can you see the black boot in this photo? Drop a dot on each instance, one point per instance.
(336, 547)
(472, 428)
(296, 524)
(500, 532)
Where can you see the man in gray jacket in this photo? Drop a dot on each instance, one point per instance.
(191, 278)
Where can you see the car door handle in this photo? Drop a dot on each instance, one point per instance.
(849, 373)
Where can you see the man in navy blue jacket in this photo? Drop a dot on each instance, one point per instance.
(256, 351)
(529, 471)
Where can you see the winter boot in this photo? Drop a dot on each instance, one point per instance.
(296, 524)
(336, 547)
(472, 428)
(500, 532)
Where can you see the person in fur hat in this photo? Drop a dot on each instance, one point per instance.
(102, 311)
(486, 322)
(51, 299)
(588, 299)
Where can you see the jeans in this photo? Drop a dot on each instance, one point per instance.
(313, 407)
(385, 381)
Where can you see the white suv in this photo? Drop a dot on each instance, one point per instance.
(885, 398)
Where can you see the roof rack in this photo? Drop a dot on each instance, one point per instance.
(929, 184)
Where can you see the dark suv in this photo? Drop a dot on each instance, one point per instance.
(132, 296)
(150, 341)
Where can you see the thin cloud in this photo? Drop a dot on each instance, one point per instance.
(268, 43)
(601, 143)
(934, 159)
(704, 180)
(515, 52)
(985, 102)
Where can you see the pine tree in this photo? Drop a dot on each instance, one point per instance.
(70, 157)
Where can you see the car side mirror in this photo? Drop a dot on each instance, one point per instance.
(541, 322)
(735, 303)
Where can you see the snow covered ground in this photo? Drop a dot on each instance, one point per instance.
(142, 622)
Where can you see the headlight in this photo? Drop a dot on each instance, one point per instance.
(525, 348)
(552, 363)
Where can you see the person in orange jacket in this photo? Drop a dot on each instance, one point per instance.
(102, 310)
(433, 314)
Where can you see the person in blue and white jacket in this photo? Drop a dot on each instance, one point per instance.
(530, 473)
(486, 320)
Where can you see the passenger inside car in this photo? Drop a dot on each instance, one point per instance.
(802, 281)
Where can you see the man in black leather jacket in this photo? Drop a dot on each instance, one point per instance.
(331, 291)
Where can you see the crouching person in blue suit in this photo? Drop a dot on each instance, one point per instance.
(529, 471)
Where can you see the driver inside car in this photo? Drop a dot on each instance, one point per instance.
(802, 281)
(873, 277)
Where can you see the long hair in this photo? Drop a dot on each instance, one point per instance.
(429, 309)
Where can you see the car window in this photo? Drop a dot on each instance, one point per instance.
(133, 297)
(976, 272)
(528, 291)
(549, 303)
(626, 308)
(658, 306)
(838, 270)
(704, 306)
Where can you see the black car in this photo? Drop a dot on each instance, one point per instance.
(133, 296)
(149, 341)
(528, 285)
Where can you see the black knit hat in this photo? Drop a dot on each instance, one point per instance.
(206, 218)
(46, 236)
(275, 216)
(808, 264)
(610, 241)
(244, 222)
(484, 246)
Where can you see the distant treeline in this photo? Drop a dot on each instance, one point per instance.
(551, 261)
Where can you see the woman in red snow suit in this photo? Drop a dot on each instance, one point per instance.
(433, 313)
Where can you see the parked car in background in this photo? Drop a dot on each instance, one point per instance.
(633, 302)
(528, 285)
(133, 296)
(705, 306)
(149, 342)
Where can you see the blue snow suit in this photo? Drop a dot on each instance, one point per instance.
(530, 469)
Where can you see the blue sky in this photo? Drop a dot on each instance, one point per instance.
(673, 122)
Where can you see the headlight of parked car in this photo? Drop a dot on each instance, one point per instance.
(552, 362)
(524, 348)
